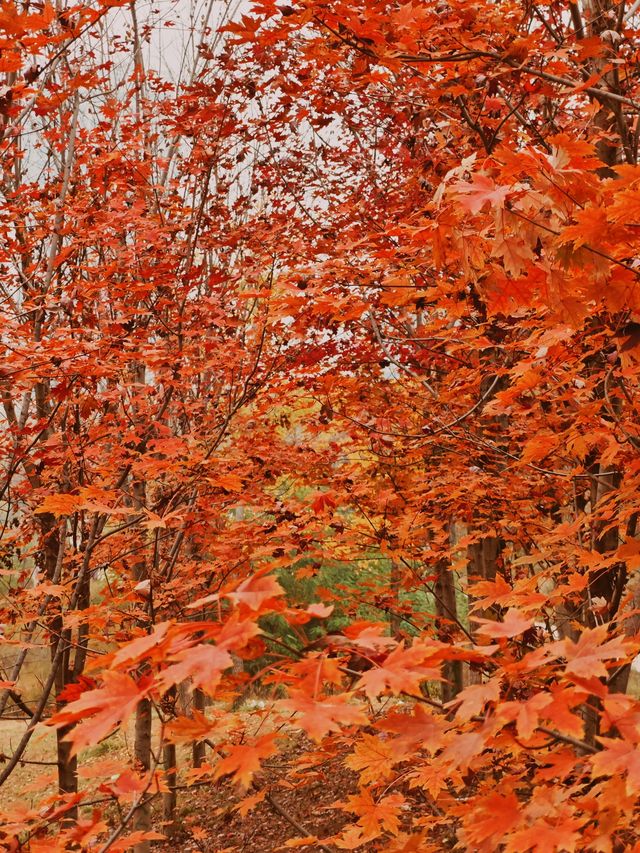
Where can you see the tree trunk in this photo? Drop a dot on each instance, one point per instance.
(170, 797)
(142, 746)
(483, 560)
(447, 619)
(67, 770)
(199, 747)
(619, 679)
(142, 750)
(395, 578)
(67, 765)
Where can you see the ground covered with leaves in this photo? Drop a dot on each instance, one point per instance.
(285, 807)
(293, 804)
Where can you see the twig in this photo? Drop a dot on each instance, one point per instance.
(140, 801)
(572, 741)
(117, 832)
(632, 10)
(393, 360)
(442, 706)
(633, 440)
(301, 828)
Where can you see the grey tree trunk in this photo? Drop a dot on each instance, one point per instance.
(142, 746)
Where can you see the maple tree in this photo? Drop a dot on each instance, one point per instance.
(320, 361)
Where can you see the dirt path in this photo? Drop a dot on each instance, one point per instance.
(36, 774)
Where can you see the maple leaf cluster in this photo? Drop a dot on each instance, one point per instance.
(320, 375)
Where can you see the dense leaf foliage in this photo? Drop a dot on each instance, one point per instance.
(320, 376)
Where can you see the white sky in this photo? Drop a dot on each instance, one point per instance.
(175, 28)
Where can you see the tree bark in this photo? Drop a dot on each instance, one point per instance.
(199, 747)
(482, 565)
(142, 747)
(142, 751)
(170, 797)
(447, 618)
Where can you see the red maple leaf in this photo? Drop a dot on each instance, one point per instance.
(480, 191)
(107, 707)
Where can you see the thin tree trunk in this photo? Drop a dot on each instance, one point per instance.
(67, 764)
(170, 797)
(142, 746)
(447, 618)
(482, 564)
(602, 584)
(67, 770)
(142, 751)
(394, 585)
(619, 679)
(31, 627)
(199, 747)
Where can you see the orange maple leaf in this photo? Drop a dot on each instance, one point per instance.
(375, 817)
(203, 664)
(247, 804)
(127, 782)
(629, 551)
(493, 817)
(256, 591)
(138, 649)
(473, 699)
(543, 837)
(72, 691)
(479, 191)
(128, 842)
(496, 591)
(307, 841)
(402, 672)
(323, 502)
(189, 729)
(526, 713)
(230, 482)
(513, 624)
(244, 760)
(374, 758)
(559, 710)
(320, 716)
(237, 633)
(585, 657)
(463, 749)
(618, 756)
(418, 728)
(61, 504)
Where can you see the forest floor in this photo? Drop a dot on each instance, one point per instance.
(294, 795)
(294, 801)
(295, 806)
